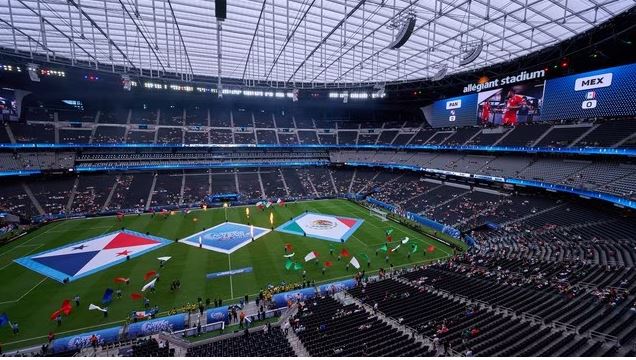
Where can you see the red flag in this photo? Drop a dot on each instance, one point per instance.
(55, 314)
(431, 248)
(389, 238)
(136, 296)
(66, 307)
(345, 253)
(120, 216)
(121, 280)
(289, 247)
(150, 274)
(328, 263)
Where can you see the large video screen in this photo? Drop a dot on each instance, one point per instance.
(9, 109)
(506, 105)
(510, 105)
(457, 111)
(599, 93)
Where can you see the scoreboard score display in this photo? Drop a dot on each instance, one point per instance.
(604, 92)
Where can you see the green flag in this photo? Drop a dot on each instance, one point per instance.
(384, 248)
(389, 231)
(414, 248)
(298, 266)
(289, 264)
(364, 256)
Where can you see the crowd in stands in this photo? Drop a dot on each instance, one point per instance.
(494, 304)
(609, 176)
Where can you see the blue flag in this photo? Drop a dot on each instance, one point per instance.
(4, 319)
(108, 296)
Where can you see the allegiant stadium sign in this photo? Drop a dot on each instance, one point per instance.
(491, 84)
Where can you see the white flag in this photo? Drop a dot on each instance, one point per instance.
(310, 256)
(405, 240)
(354, 262)
(149, 285)
(164, 258)
(289, 255)
(95, 307)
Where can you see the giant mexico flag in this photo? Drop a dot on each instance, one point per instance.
(322, 226)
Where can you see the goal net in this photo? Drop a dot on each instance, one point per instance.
(381, 214)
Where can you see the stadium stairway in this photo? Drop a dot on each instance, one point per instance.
(394, 323)
(329, 328)
(292, 338)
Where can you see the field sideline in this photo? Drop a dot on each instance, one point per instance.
(29, 298)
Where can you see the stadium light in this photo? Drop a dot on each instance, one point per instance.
(33, 72)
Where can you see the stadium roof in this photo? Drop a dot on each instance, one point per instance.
(307, 41)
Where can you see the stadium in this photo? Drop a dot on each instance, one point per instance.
(184, 178)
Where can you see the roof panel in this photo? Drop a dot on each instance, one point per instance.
(298, 40)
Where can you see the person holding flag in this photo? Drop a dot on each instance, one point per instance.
(288, 264)
(383, 248)
(366, 257)
(354, 262)
(389, 237)
(311, 256)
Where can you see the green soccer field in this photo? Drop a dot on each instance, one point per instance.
(29, 298)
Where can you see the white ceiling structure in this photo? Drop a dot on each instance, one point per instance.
(294, 41)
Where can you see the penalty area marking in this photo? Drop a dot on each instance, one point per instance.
(27, 254)
(428, 237)
(34, 237)
(25, 294)
(26, 246)
(82, 229)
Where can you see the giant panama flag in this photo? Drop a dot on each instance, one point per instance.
(87, 257)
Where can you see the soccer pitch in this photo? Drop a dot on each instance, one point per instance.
(29, 298)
